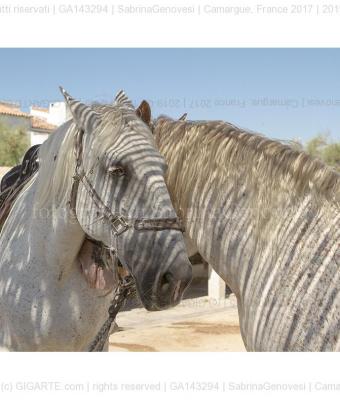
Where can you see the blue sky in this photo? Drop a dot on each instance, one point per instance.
(283, 93)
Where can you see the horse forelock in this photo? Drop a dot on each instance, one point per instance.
(121, 118)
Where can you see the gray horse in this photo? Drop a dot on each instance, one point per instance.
(266, 218)
(101, 177)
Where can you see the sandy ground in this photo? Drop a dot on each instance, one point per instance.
(198, 324)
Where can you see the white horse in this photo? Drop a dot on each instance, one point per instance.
(266, 218)
(54, 296)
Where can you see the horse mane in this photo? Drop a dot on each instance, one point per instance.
(56, 154)
(57, 163)
(216, 154)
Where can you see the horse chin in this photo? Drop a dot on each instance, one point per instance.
(153, 305)
(157, 302)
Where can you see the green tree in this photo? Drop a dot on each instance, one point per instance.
(13, 144)
(323, 148)
(331, 155)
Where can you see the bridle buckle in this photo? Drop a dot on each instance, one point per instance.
(119, 225)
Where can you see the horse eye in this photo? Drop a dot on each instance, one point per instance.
(116, 171)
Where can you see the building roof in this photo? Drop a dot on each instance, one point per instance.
(38, 123)
(12, 110)
(36, 108)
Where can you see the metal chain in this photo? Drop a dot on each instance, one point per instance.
(124, 289)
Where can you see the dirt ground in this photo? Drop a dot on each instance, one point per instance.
(197, 324)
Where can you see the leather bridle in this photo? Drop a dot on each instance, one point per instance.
(119, 223)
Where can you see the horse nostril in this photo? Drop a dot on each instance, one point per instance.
(166, 282)
(173, 283)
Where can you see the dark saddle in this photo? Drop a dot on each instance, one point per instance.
(15, 179)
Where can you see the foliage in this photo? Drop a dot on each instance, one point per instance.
(323, 148)
(13, 144)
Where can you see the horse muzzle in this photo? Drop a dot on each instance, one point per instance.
(170, 288)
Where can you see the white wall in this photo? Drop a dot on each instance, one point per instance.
(38, 113)
(37, 138)
(57, 113)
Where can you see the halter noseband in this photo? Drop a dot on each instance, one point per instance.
(119, 223)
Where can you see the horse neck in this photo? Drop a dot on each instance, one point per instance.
(229, 228)
(284, 271)
(222, 229)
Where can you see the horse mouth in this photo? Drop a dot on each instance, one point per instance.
(167, 295)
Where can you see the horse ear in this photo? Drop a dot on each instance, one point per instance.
(183, 117)
(83, 115)
(144, 112)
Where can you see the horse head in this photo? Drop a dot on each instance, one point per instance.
(121, 200)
